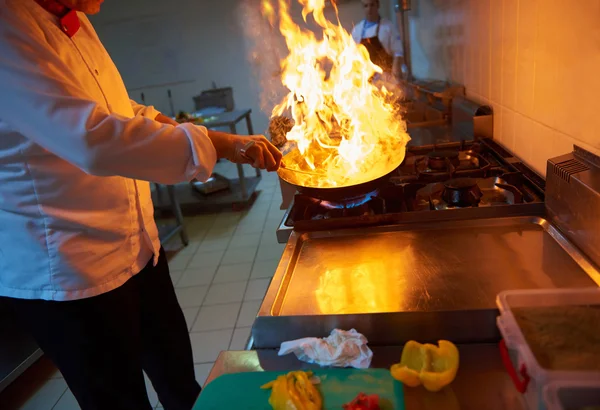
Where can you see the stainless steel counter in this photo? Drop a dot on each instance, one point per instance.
(421, 280)
(481, 382)
(423, 267)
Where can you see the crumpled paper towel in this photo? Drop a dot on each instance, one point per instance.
(342, 348)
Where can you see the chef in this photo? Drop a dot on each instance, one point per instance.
(380, 38)
(80, 258)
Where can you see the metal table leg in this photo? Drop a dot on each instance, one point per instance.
(251, 132)
(178, 215)
(240, 169)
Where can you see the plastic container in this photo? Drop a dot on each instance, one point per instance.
(572, 395)
(529, 377)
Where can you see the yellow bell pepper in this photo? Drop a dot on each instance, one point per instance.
(432, 366)
(294, 391)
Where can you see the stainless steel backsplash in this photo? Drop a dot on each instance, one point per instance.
(573, 199)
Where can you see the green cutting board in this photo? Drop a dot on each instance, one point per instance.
(338, 386)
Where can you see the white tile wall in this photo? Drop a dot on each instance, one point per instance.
(535, 61)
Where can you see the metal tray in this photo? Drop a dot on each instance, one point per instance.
(215, 183)
(438, 272)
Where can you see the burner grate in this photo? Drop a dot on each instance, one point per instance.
(440, 166)
(389, 198)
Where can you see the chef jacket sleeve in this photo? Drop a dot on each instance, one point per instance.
(41, 102)
(395, 42)
(147, 111)
(357, 32)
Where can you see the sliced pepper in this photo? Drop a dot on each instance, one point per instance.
(294, 391)
(432, 366)
(363, 402)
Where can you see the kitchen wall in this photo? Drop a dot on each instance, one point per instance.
(185, 45)
(537, 62)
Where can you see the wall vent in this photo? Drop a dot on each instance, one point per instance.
(569, 167)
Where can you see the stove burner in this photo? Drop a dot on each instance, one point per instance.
(462, 192)
(443, 160)
(349, 203)
(307, 208)
(387, 199)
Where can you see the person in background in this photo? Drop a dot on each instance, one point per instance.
(381, 38)
(80, 258)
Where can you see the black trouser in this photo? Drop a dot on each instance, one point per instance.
(101, 344)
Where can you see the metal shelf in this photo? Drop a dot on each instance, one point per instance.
(192, 202)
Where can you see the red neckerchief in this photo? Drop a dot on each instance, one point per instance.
(69, 21)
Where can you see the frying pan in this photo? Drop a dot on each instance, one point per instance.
(339, 193)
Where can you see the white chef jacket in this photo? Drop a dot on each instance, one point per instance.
(76, 215)
(388, 35)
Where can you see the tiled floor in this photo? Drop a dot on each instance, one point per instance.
(220, 280)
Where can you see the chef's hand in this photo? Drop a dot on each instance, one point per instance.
(261, 154)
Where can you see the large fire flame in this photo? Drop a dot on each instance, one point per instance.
(346, 128)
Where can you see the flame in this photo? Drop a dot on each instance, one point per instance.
(346, 128)
(267, 10)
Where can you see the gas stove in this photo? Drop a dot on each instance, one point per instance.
(474, 177)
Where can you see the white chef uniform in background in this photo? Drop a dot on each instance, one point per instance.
(388, 35)
(70, 227)
(391, 41)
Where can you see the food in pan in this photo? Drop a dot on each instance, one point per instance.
(279, 126)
